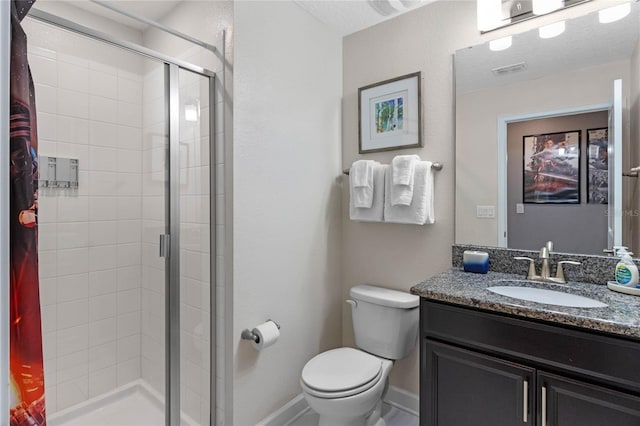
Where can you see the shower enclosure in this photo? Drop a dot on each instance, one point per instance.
(125, 256)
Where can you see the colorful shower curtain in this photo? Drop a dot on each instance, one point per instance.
(27, 406)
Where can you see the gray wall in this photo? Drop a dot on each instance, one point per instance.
(575, 228)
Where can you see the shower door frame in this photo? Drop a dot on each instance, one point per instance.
(172, 67)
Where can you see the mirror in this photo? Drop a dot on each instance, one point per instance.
(539, 87)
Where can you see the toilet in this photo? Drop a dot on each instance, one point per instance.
(345, 386)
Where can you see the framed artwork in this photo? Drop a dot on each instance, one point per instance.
(598, 166)
(390, 114)
(551, 169)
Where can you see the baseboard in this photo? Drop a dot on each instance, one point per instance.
(403, 400)
(287, 413)
(396, 397)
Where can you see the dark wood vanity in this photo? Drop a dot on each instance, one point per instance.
(491, 360)
(482, 368)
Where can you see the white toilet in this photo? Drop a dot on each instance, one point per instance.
(345, 386)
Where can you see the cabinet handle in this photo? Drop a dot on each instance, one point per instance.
(544, 406)
(525, 400)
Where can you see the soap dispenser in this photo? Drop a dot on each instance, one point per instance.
(626, 270)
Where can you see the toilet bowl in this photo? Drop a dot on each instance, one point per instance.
(345, 386)
(351, 394)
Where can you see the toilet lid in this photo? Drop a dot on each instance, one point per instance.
(341, 369)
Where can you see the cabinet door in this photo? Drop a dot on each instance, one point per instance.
(566, 402)
(464, 388)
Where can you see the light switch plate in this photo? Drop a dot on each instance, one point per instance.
(485, 212)
(519, 208)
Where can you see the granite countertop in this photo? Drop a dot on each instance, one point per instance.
(620, 317)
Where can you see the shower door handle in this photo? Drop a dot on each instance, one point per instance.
(165, 245)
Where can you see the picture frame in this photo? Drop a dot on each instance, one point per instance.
(598, 165)
(551, 168)
(390, 114)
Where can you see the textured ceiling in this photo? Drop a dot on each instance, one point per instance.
(584, 43)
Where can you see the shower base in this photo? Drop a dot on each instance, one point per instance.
(134, 404)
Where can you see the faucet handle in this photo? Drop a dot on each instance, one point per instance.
(544, 253)
(560, 271)
(549, 246)
(532, 266)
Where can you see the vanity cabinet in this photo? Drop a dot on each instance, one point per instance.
(564, 401)
(469, 388)
(480, 368)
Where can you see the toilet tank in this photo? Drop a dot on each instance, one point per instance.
(385, 322)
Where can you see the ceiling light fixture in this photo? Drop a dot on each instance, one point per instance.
(489, 14)
(500, 43)
(551, 30)
(615, 13)
(383, 7)
(542, 7)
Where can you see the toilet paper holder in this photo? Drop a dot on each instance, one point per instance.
(249, 335)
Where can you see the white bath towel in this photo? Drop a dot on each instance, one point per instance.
(402, 178)
(375, 212)
(421, 210)
(361, 181)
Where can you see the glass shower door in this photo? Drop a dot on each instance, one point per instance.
(155, 224)
(195, 246)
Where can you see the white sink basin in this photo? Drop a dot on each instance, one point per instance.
(549, 297)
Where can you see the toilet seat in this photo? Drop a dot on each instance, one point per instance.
(341, 372)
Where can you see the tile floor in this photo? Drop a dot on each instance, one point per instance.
(392, 415)
(139, 409)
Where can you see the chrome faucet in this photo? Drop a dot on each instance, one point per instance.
(545, 271)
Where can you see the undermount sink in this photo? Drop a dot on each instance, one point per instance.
(549, 297)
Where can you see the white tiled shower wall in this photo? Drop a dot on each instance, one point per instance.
(89, 100)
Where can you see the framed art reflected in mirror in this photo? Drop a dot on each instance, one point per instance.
(551, 172)
(598, 166)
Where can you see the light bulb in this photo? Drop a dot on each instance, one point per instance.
(500, 43)
(489, 14)
(612, 14)
(551, 30)
(541, 7)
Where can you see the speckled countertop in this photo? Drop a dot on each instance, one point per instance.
(620, 317)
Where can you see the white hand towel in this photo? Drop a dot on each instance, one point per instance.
(403, 175)
(421, 210)
(361, 180)
(375, 212)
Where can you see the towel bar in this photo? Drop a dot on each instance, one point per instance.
(435, 166)
(633, 172)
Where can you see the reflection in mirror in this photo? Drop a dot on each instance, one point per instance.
(562, 85)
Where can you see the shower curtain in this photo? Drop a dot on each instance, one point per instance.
(27, 405)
